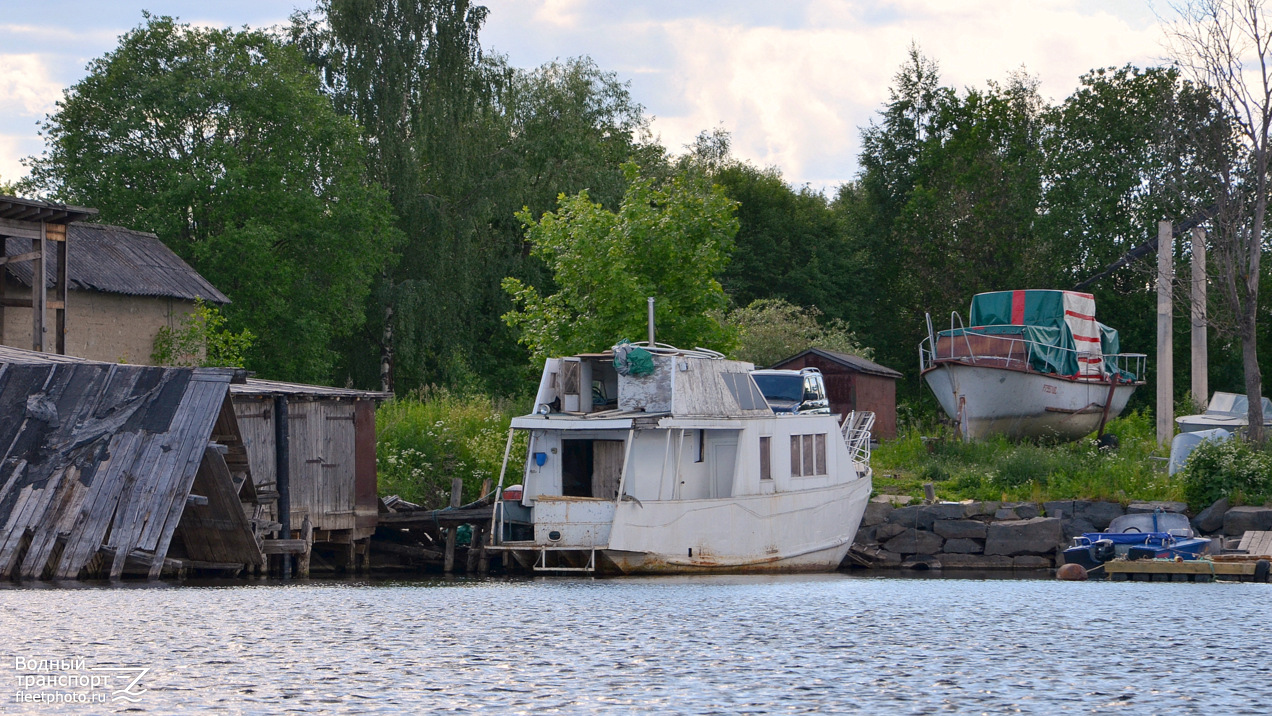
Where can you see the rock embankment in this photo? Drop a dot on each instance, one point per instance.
(1011, 535)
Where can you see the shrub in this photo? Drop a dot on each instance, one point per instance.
(435, 435)
(1234, 469)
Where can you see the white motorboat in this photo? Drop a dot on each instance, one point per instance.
(673, 462)
(1032, 364)
(1229, 411)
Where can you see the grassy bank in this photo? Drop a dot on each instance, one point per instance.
(1002, 470)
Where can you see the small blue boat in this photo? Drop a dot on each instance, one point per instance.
(1156, 535)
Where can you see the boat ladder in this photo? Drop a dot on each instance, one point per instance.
(541, 563)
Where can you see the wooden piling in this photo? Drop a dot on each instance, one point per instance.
(483, 531)
(282, 475)
(457, 488)
(1165, 354)
(307, 534)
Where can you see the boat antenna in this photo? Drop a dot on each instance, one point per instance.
(651, 321)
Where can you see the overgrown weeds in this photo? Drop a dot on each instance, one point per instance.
(999, 469)
(435, 435)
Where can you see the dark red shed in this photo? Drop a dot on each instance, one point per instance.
(853, 383)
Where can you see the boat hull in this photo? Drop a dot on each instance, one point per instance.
(798, 531)
(986, 401)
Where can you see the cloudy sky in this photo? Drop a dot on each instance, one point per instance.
(792, 80)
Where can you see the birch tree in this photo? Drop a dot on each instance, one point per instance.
(1225, 44)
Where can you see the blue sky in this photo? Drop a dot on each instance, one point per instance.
(793, 81)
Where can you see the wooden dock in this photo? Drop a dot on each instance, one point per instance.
(1249, 564)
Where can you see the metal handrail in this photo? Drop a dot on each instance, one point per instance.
(1133, 363)
(856, 431)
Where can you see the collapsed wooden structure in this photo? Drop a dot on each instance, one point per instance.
(110, 468)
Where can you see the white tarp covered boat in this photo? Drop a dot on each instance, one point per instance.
(1031, 364)
(678, 467)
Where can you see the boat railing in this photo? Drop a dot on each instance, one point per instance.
(856, 430)
(1010, 351)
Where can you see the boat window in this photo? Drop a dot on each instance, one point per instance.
(766, 470)
(808, 455)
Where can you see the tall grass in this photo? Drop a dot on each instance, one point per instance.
(435, 435)
(1038, 471)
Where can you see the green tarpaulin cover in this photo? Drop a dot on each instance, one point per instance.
(1040, 317)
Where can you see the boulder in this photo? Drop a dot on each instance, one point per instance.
(884, 558)
(887, 531)
(1075, 527)
(894, 500)
(914, 516)
(1211, 519)
(959, 529)
(865, 535)
(981, 509)
(1100, 514)
(1029, 561)
(1141, 507)
(1065, 509)
(921, 562)
(975, 561)
(1024, 510)
(1239, 520)
(913, 541)
(1039, 535)
(963, 546)
(876, 513)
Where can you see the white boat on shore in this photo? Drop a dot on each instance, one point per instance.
(1229, 411)
(1032, 364)
(678, 465)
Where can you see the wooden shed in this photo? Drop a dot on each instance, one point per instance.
(110, 468)
(853, 383)
(329, 466)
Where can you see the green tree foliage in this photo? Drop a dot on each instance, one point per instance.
(946, 203)
(670, 242)
(1130, 147)
(202, 339)
(220, 142)
(462, 141)
(770, 329)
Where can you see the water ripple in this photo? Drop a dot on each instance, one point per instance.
(786, 645)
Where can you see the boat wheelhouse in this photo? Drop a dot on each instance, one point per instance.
(1032, 363)
(651, 459)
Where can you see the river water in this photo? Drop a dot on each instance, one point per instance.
(837, 643)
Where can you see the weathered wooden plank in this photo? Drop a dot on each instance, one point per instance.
(284, 546)
(113, 479)
(188, 438)
(211, 394)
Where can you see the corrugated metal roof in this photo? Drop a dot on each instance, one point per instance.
(11, 207)
(857, 363)
(118, 260)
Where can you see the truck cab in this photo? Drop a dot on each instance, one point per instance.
(793, 392)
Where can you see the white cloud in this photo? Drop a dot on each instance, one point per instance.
(25, 83)
(795, 97)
